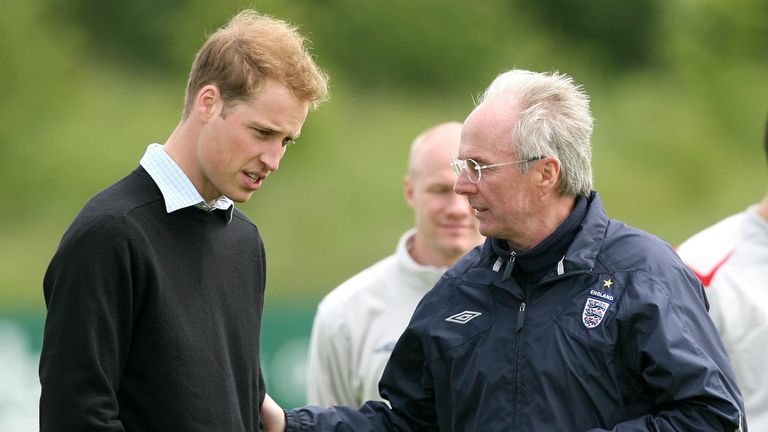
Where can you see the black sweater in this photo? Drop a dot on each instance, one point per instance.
(153, 318)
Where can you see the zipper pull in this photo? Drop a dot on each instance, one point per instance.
(510, 266)
(520, 317)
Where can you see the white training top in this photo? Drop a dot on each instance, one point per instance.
(357, 325)
(731, 259)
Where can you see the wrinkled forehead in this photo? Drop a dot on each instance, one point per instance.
(488, 129)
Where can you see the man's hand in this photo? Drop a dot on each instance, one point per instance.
(272, 415)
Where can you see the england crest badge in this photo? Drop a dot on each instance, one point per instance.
(594, 311)
(597, 304)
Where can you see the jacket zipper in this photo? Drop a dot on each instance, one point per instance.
(510, 266)
(520, 317)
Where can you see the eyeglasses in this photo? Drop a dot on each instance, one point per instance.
(475, 170)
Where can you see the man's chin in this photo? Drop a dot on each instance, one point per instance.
(489, 232)
(241, 197)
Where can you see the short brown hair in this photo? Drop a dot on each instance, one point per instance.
(251, 48)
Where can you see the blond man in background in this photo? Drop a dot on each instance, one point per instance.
(358, 323)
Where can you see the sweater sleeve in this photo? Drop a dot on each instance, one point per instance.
(89, 296)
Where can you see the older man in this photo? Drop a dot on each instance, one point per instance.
(565, 320)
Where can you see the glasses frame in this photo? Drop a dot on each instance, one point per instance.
(460, 165)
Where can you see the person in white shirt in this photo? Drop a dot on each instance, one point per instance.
(731, 260)
(358, 323)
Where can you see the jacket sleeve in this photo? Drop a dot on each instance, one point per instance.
(89, 300)
(329, 371)
(679, 355)
(407, 385)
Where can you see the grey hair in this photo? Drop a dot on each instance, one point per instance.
(554, 121)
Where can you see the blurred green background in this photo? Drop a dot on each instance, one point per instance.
(678, 91)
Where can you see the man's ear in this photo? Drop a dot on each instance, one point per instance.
(549, 172)
(208, 101)
(408, 190)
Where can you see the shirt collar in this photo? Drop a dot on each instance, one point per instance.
(427, 275)
(178, 191)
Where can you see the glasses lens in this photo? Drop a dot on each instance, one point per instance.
(473, 170)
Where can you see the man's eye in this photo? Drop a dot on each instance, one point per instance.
(288, 142)
(440, 190)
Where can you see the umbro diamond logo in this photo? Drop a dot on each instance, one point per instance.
(463, 317)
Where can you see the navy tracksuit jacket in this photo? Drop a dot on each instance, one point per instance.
(616, 336)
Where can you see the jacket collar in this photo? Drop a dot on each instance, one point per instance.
(424, 276)
(581, 254)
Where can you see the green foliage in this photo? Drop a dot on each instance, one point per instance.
(678, 91)
(622, 32)
(134, 31)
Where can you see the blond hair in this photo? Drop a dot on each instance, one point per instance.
(251, 48)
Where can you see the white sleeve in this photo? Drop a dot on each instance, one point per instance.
(730, 308)
(717, 298)
(329, 380)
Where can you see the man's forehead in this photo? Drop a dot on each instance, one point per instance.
(488, 129)
(436, 160)
(484, 143)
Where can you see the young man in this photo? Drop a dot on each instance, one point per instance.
(565, 319)
(155, 293)
(358, 323)
(731, 260)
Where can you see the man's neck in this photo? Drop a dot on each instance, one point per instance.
(554, 213)
(426, 256)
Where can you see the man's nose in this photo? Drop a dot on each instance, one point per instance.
(272, 155)
(463, 186)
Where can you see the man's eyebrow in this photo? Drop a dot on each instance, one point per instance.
(273, 130)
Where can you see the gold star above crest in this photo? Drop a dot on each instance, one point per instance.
(607, 283)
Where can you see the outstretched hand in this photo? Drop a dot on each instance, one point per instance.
(272, 415)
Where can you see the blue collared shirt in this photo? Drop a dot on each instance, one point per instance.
(178, 191)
